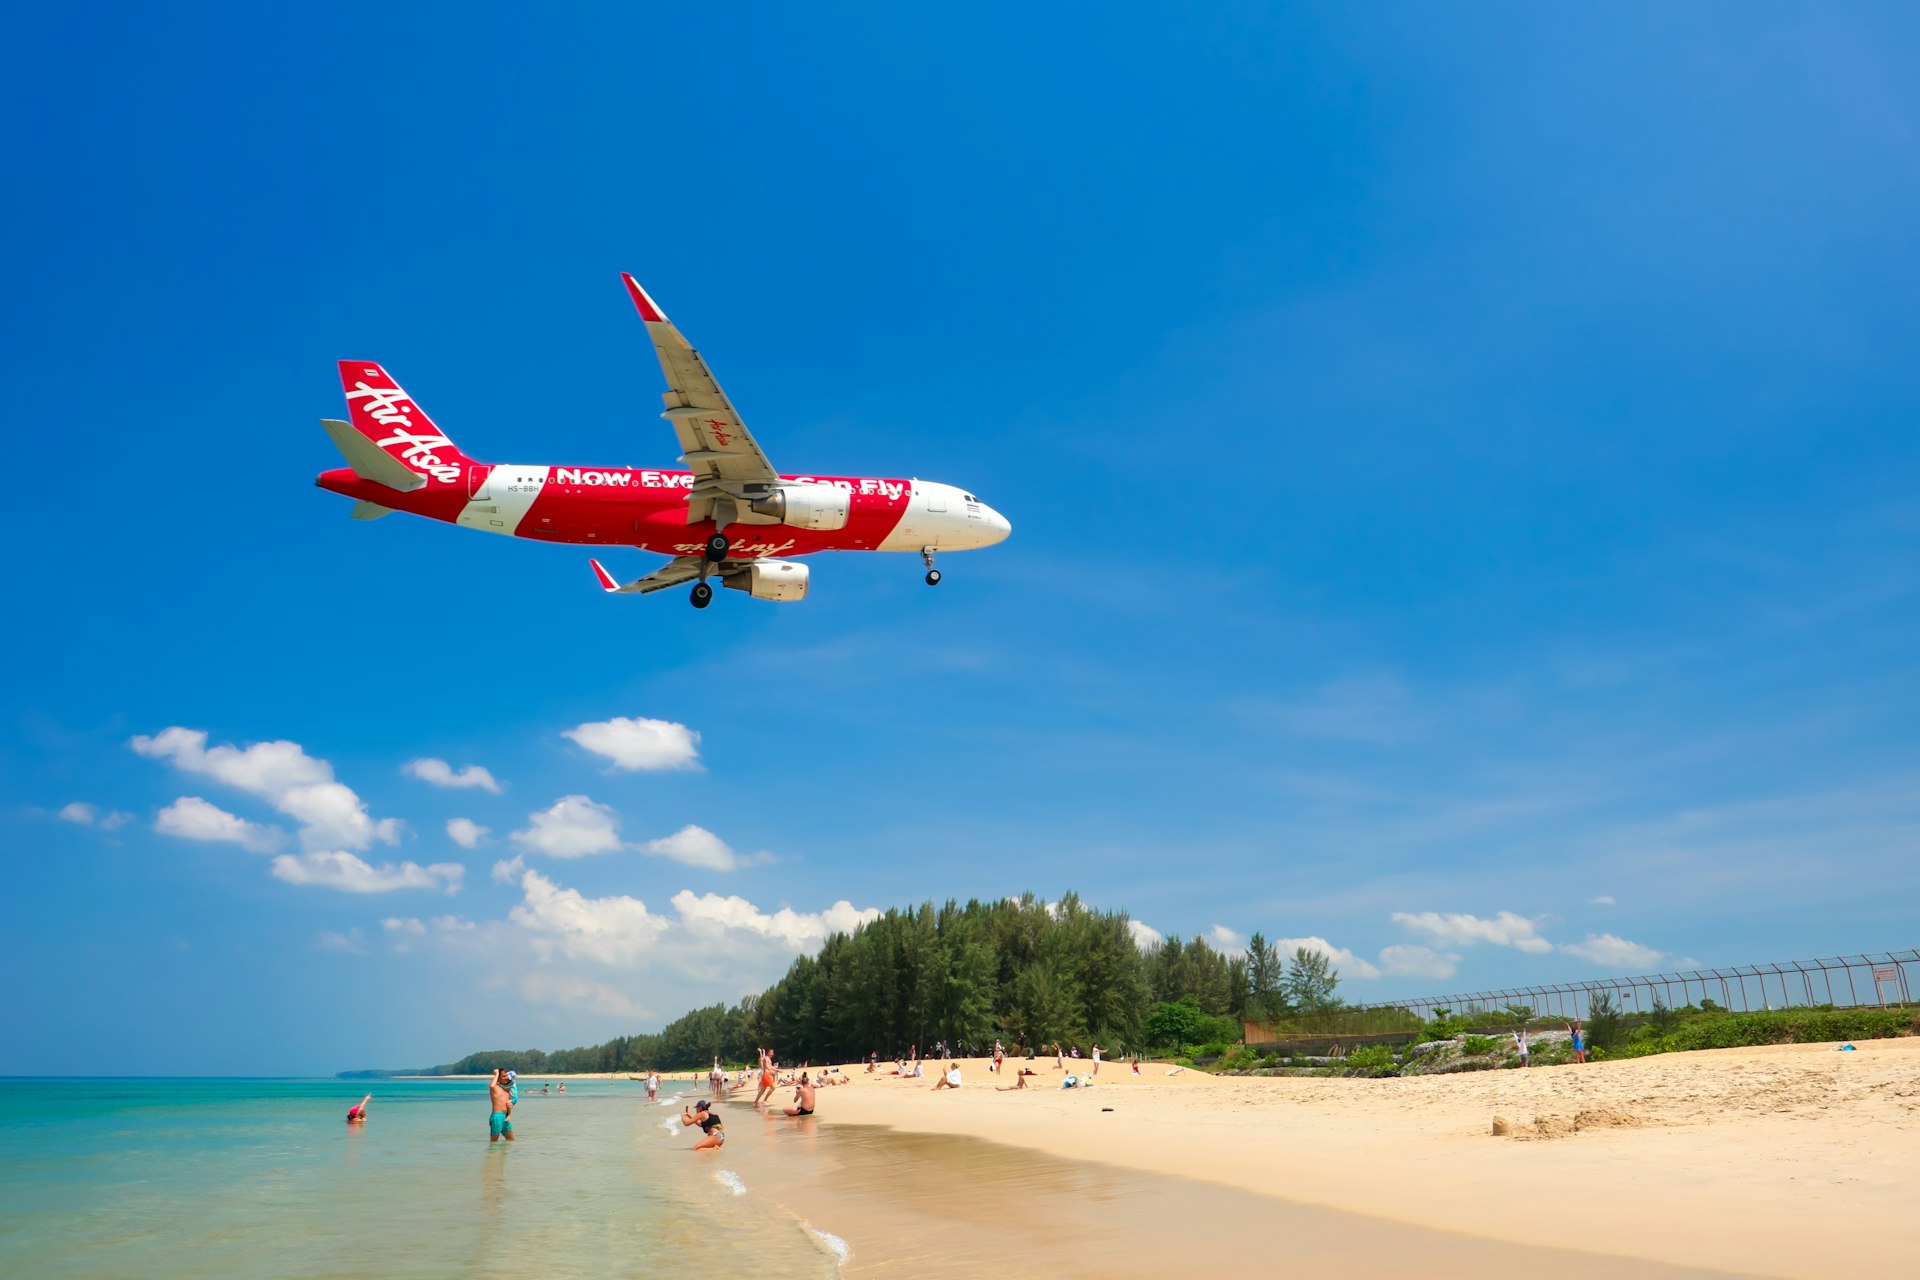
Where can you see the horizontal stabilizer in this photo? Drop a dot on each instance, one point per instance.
(364, 510)
(369, 461)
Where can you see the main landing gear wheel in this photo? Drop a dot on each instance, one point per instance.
(717, 547)
(702, 594)
(933, 577)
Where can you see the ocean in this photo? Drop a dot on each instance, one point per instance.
(263, 1178)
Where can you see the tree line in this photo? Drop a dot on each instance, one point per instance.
(1021, 971)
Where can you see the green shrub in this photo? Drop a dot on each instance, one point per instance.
(1372, 1060)
(1605, 1027)
(1479, 1044)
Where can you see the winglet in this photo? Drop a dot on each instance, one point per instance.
(645, 305)
(606, 579)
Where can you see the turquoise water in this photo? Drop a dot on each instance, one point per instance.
(166, 1178)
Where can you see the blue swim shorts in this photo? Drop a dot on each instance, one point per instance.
(498, 1124)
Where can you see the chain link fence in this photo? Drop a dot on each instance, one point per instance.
(1885, 979)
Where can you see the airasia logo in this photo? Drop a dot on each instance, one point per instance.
(389, 408)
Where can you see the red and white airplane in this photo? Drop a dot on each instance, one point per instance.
(729, 516)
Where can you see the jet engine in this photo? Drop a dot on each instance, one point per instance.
(780, 580)
(806, 506)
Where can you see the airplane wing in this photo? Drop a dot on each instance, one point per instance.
(678, 570)
(714, 443)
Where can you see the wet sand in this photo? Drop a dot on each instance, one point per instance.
(934, 1206)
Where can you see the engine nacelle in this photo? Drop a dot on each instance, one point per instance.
(806, 506)
(780, 580)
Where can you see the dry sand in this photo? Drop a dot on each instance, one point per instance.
(1795, 1160)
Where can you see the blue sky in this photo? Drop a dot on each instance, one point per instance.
(1462, 465)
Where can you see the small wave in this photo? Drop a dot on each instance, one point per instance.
(833, 1244)
(728, 1178)
(669, 1124)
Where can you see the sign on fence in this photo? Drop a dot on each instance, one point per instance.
(1886, 975)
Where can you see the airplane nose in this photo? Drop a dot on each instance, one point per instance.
(1000, 524)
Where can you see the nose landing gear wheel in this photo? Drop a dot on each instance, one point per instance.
(702, 595)
(717, 547)
(933, 577)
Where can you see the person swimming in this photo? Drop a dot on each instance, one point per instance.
(357, 1113)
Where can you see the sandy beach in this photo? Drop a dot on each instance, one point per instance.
(1783, 1161)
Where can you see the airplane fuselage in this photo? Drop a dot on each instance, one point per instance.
(645, 508)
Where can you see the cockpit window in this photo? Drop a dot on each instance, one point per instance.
(971, 498)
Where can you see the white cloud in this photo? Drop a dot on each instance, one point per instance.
(1345, 962)
(442, 774)
(639, 743)
(1223, 939)
(695, 846)
(349, 874)
(710, 915)
(1373, 709)
(1604, 900)
(545, 987)
(613, 931)
(573, 827)
(465, 832)
(353, 941)
(1614, 953)
(1411, 961)
(404, 931)
(1503, 929)
(1145, 936)
(87, 816)
(191, 818)
(508, 870)
(283, 774)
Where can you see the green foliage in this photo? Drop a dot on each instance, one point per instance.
(1372, 1060)
(1479, 1044)
(1310, 982)
(1265, 979)
(1175, 1022)
(1445, 1026)
(1606, 1028)
(1662, 1018)
(1518, 1014)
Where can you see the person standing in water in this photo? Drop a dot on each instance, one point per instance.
(357, 1113)
(499, 1107)
(653, 1085)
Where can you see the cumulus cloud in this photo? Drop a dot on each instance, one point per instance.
(508, 870)
(1407, 960)
(710, 915)
(1345, 962)
(1604, 900)
(191, 818)
(573, 827)
(695, 846)
(639, 743)
(300, 786)
(1614, 953)
(1145, 936)
(616, 930)
(442, 774)
(1223, 939)
(1504, 929)
(465, 832)
(350, 874)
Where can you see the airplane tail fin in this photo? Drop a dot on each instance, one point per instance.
(390, 439)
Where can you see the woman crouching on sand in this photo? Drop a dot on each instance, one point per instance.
(714, 1129)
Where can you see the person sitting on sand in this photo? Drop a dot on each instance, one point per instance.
(802, 1098)
(714, 1129)
(950, 1079)
(1019, 1082)
(357, 1113)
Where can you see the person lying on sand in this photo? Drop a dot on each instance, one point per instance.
(950, 1079)
(1020, 1082)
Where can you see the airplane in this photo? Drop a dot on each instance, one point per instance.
(728, 516)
